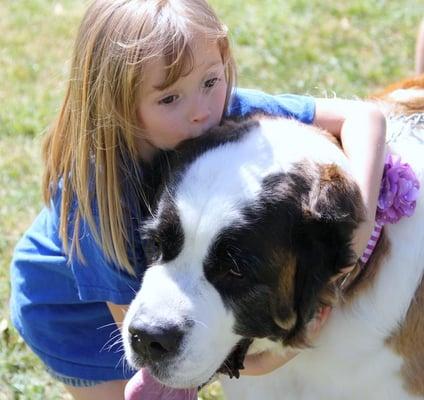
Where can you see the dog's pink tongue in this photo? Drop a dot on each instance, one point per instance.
(142, 386)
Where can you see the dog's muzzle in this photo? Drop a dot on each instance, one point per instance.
(154, 343)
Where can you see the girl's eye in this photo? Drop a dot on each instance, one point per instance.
(211, 82)
(168, 99)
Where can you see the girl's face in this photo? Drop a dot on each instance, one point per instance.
(193, 104)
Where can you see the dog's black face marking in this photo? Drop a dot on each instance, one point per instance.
(160, 179)
(248, 290)
(289, 233)
(165, 241)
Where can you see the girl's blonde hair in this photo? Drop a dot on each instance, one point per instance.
(90, 150)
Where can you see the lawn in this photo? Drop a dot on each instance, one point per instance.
(324, 48)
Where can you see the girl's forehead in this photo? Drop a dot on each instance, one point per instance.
(205, 55)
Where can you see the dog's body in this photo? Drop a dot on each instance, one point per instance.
(249, 230)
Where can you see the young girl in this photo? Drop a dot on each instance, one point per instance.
(145, 75)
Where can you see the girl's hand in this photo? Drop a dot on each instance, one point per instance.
(266, 362)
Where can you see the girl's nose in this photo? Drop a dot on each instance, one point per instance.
(200, 112)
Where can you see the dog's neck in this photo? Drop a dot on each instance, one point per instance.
(362, 263)
(362, 275)
(372, 242)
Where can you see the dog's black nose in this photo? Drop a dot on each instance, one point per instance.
(154, 342)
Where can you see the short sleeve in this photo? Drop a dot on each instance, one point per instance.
(246, 102)
(59, 308)
(95, 278)
(98, 279)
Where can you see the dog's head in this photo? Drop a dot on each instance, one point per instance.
(249, 226)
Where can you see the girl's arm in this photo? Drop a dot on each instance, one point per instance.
(118, 312)
(361, 129)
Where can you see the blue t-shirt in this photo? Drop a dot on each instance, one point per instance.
(59, 308)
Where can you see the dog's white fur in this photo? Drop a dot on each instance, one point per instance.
(350, 359)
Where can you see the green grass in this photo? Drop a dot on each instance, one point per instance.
(318, 47)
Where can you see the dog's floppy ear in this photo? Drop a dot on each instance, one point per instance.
(324, 207)
(331, 212)
(285, 315)
(332, 195)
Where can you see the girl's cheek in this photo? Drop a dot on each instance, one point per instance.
(219, 100)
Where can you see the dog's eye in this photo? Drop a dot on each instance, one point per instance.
(152, 249)
(235, 272)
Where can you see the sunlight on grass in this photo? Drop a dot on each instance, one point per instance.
(35, 45)
(21, 376)
(323, 47)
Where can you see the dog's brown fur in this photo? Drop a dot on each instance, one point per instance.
(403, 98)
(408, 342)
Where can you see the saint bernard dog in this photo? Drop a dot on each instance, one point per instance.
(251, 223)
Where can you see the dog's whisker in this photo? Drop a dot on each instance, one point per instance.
(126, 369)
(115, 333)
(200, 323)
(125, 366)
(112, 339)
(111, 324)
(119, 349)
(116, 339)
(112, 342)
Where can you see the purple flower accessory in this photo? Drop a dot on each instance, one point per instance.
(398, 192)
(398, 197)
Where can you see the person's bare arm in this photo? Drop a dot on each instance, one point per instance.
(118, 312)
(361, 129)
